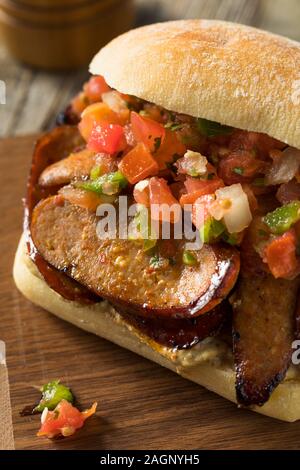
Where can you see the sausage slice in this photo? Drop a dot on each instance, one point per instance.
(264, 324)
(119, 271)
(76, 165)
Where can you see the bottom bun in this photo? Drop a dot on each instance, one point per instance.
(209, 363)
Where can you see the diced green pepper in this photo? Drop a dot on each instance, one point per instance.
(211, 230)
(189, 259)
(52, 394)
(282, 218)
(211, 128)
(116, 179)
(95, 172)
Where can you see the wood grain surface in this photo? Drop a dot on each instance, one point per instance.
(34, 97)
(141, 405)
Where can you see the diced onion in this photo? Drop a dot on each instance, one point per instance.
(234, 201)
(193, 163)
(218, 208)
(284, 168)
(114, 101)
(44, 415)
(142, 185)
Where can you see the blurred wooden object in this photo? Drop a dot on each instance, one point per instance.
(61, 35)
(35, 97)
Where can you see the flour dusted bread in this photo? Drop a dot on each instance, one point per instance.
(229, 73)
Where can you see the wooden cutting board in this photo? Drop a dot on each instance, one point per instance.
(141, 405)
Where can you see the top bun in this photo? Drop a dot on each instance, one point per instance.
(224, 72)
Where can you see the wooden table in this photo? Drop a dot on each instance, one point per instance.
(140, 404)
(35, 97)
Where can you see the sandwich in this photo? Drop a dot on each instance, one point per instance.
(196, 124)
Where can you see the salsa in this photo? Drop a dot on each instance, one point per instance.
(199, 166)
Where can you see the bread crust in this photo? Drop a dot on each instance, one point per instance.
(101, 319)
(225, 72)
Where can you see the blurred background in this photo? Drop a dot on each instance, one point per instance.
(45, 45)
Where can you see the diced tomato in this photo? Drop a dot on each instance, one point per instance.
(288, 192)
(167, 248)
(280, 255)
(240, 167)
(147, 131)
(100, 113)
(170, 149)
(107, 138)
(200, 212)
(64, 420)
(129, 135)
(106, 163)
(79, 103)
(197, 187)
(254, 141)
(178, 189)
(95, 87)
(257, 234)
(79, 197)
(160, 194)
(138, 164)
(251, 197)
(141, 193)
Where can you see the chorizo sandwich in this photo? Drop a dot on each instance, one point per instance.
(204, 117)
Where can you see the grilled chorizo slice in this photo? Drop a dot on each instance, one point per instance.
(182, 333)
(119, 271)
(51, 148)
(76, 165)
(264, 327)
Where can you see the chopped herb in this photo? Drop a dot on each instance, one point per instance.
(210, 176)
(238, 170)
(52, 394)
(157, 143)
(211, 128)
(143, 113)
(156, 262)
(173, 126)
(259, 182)
(189, 259)
(282, 218)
